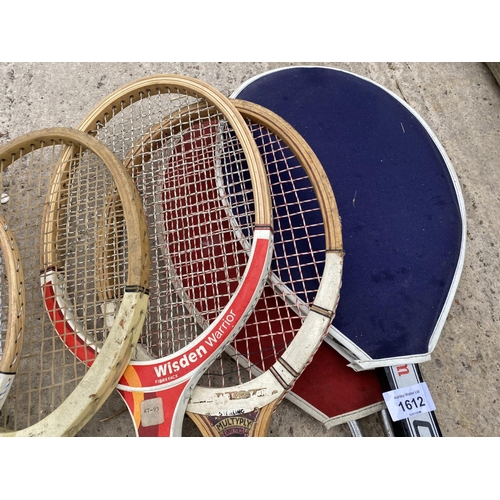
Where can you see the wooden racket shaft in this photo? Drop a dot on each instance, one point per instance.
(207, 203)
(60, 184)
(297, 306)
(12, 304)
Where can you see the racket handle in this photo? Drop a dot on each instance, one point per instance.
(355, 428)
(386, 422)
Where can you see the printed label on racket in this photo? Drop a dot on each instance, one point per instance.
(234, 426)
(176, 368)
(409, 401)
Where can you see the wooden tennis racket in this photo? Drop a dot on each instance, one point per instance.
(12, 314)
(298, 303)
(59, 184)
(207, 202)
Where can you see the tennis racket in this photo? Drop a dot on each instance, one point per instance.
(61, 188)
(12, 315)
(207, 202)
(297, 306)
(403, 219)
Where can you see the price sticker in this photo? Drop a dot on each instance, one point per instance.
(152, 412)
(410, 401)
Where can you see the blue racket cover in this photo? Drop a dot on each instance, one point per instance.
(399, 200)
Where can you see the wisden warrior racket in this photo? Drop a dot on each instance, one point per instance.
(12, 314)
(63, 192)
(298, 303)
(205, 194)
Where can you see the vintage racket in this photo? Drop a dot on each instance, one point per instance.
(298, 303)
(63, 191)
(207, 201)
(402, 213)
(12, 314)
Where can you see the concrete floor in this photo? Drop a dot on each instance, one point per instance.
(459, 101)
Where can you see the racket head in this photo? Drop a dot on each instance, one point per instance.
(181, 139)
(64, 204)
(295, 310)
(401, 206)
(12, 296)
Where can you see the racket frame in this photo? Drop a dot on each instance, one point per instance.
(101, 378)
(180, 371)
(14, 333)
(263, 393)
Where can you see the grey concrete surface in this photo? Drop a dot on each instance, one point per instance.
(459, 101)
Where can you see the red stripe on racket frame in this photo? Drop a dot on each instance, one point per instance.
(57, 308)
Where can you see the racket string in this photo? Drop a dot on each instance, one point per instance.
(195, 187)
(296, 269)
(48, 371)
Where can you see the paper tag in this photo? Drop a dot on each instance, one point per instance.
(410, 401)
(152, 412)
